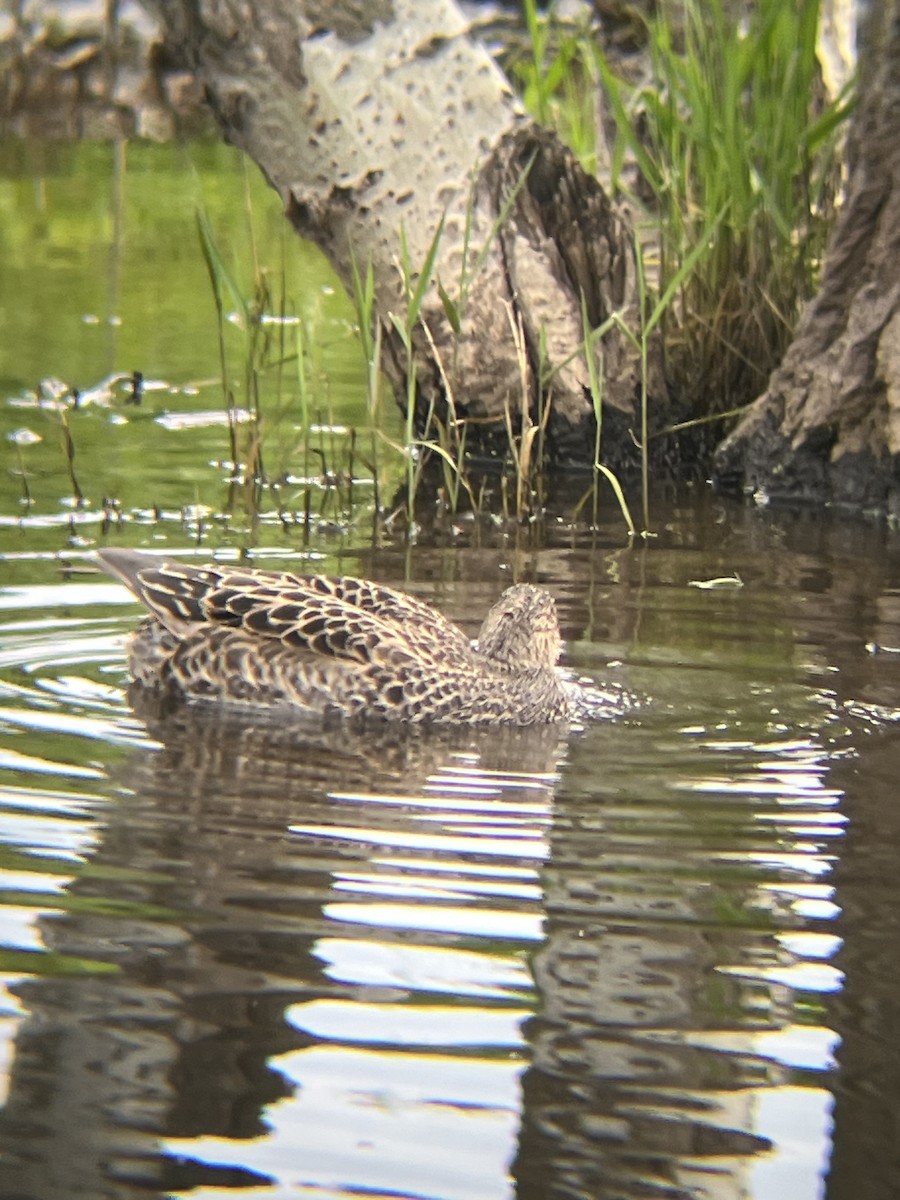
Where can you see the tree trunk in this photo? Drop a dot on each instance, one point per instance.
(376, 123)
(827, 429)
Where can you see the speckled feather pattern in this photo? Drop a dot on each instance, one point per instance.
(342, 646)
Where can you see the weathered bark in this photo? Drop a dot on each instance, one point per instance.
(827, 428)
(369, 119)
(87, 70)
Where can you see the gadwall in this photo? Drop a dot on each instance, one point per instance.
(343, 646)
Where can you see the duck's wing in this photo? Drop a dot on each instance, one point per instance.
(342, 618)
(421, 621)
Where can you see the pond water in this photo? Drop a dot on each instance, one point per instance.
(656, 957)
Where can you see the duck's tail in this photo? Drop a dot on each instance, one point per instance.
(126, 565)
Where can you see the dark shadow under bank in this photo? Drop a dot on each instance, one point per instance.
(758, 460)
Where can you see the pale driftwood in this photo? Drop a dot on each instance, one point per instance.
(828, 426)
(372, 118)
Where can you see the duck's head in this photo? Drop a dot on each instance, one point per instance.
(522, 629)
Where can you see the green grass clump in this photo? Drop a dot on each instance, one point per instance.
(735, 148)
(286, 448)
(558, 78)
(732, 127)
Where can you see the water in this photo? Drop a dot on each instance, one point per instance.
(656, 957)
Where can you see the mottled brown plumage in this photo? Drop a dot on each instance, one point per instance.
(341, 646)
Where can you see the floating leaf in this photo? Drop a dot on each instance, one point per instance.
(721, 581)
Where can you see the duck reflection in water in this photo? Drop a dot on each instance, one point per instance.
(213, 919)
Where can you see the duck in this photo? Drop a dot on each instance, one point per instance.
(339, 647)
